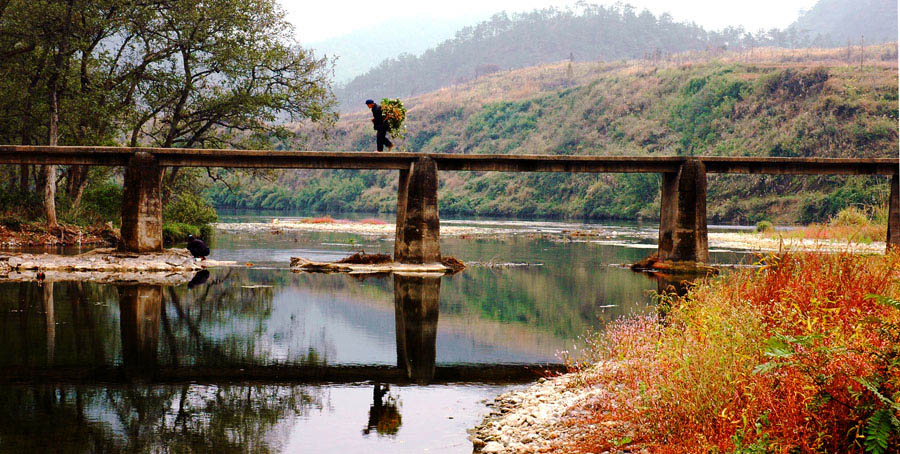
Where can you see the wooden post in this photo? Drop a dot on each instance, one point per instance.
(682, 217)
(418, 223)
(893, 228)
(142, 205)
(416, 312)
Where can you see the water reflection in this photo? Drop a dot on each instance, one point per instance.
(140, 311)
(416, 302)
(384, 414)
(143, 418)
(199, 279)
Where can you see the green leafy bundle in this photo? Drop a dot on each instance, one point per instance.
(394, 114)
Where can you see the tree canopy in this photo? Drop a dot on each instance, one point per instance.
(164, 73)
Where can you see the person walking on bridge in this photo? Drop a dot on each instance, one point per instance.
(380, 127)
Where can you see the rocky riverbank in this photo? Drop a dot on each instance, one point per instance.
(105, 265)
(539, 418)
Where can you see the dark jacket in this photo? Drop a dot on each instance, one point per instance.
(378, 119)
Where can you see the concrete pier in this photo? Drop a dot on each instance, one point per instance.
(142, 205)
(682, 216)
(418, 222)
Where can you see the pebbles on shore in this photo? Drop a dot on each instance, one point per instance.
(533, 420)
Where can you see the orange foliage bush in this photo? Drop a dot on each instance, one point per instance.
(797, 356)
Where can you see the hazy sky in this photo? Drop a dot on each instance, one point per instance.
(319, 20)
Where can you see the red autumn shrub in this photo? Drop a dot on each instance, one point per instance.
(797, 356)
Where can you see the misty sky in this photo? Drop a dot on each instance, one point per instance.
(316, 21)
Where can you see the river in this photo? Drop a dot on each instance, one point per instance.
(260, 359)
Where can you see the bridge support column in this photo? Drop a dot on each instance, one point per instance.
(682, 216)
(142, 205)
(418, 224)
(893, 229)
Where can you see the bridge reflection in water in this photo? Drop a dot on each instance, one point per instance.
(143, 319)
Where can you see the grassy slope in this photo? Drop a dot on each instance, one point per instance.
(762, 103)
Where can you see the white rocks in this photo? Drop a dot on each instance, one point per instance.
(171, 266)
(531, 420)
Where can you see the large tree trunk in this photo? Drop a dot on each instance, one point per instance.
(76, 184)
(49, 171)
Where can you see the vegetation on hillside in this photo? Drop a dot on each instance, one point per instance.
(783, 103)
(590, 32)
(799, 356)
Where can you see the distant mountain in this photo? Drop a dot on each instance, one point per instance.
(361, 50)
(586, 33)
(840, 21)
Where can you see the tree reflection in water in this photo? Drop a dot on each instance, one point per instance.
(136, 418)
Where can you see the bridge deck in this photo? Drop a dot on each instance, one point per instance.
(118, 156)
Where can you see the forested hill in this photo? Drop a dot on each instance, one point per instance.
(803, 102)
(603, 33)
(839, 22)
(590, 33)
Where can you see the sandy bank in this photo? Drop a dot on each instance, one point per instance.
(735, 241)
(358, 228)
(758, 242)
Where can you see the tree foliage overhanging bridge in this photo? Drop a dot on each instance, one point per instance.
(682, 230)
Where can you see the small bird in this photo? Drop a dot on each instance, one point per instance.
(197, 247)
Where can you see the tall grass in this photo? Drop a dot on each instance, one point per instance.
(794, 357)
(853, 223)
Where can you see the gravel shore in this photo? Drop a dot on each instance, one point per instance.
(539, 419)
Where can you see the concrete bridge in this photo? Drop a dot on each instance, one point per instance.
(682, 227)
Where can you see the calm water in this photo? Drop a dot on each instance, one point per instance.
(261, 359)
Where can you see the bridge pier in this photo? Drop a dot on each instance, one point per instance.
(142, 205)
(418, 224)
(682, 215)
(893, 229)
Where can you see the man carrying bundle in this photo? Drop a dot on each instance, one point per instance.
(380, 126)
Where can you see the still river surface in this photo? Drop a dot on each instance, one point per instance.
(261, 359)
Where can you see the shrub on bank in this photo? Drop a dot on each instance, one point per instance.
(798, 356)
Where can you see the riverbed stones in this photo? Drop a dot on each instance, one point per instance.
(171, 266)
(534, 419)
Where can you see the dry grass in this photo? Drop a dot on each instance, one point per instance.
(853, 224)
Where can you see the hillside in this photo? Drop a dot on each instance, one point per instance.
(838, 22)
(590, 33)
(764, 102)
(359, 51)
